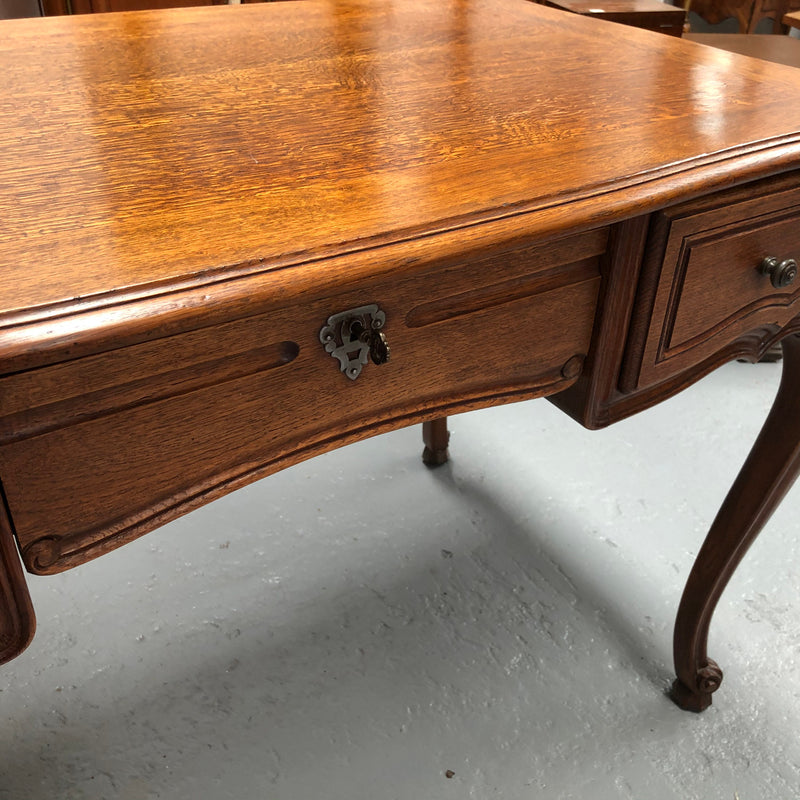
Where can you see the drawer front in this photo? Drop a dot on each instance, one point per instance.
(704, 296)
(96, 451)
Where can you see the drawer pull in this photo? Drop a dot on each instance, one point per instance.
(378, 348)
(781, 273)
(353, 336)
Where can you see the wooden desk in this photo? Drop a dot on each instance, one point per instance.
(210, 215)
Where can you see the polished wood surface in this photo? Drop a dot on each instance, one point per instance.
(295, 134)
(778, 49)
(189, 197)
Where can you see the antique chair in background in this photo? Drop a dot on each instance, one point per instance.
(748, 13)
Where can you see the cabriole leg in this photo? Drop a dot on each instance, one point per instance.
(17, 621)
(767, 474)
(435, 437)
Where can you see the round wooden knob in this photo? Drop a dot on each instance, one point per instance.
(781, 273)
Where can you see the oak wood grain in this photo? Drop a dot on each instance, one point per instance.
(180, 420)
(153, 162)
(590, 398)
(702, 288)
(187, 195)
(740, 314)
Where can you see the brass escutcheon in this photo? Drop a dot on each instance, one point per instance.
(354, 336)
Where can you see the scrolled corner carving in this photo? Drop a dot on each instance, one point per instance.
(695, 695)
(708, 678)
(41, 555)
(755, 344)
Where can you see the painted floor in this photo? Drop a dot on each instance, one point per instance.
(361, 627)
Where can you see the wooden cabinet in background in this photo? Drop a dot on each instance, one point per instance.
(58, 7)
(748, 13)
(649, 14)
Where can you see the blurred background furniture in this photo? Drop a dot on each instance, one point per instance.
(748, 13)
(55, 7)
(650, 14)
(58, 7)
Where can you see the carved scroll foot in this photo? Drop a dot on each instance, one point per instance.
(17, 620)
(436, 437)
(767, 474)
(707, 680)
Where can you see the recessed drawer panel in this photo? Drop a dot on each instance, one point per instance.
(705, 292)
(146, 432)
(719, 280)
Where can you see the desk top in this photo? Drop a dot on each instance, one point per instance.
(778, 49)
(147, 151)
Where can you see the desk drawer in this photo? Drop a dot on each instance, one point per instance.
(98, 450)
(703, 297)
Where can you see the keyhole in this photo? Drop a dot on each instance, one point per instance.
(356, 329)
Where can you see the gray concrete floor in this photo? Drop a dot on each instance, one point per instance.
(357, 626)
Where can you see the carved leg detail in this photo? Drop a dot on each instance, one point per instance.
(767, 474)
(17, 620)
(435, 437)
